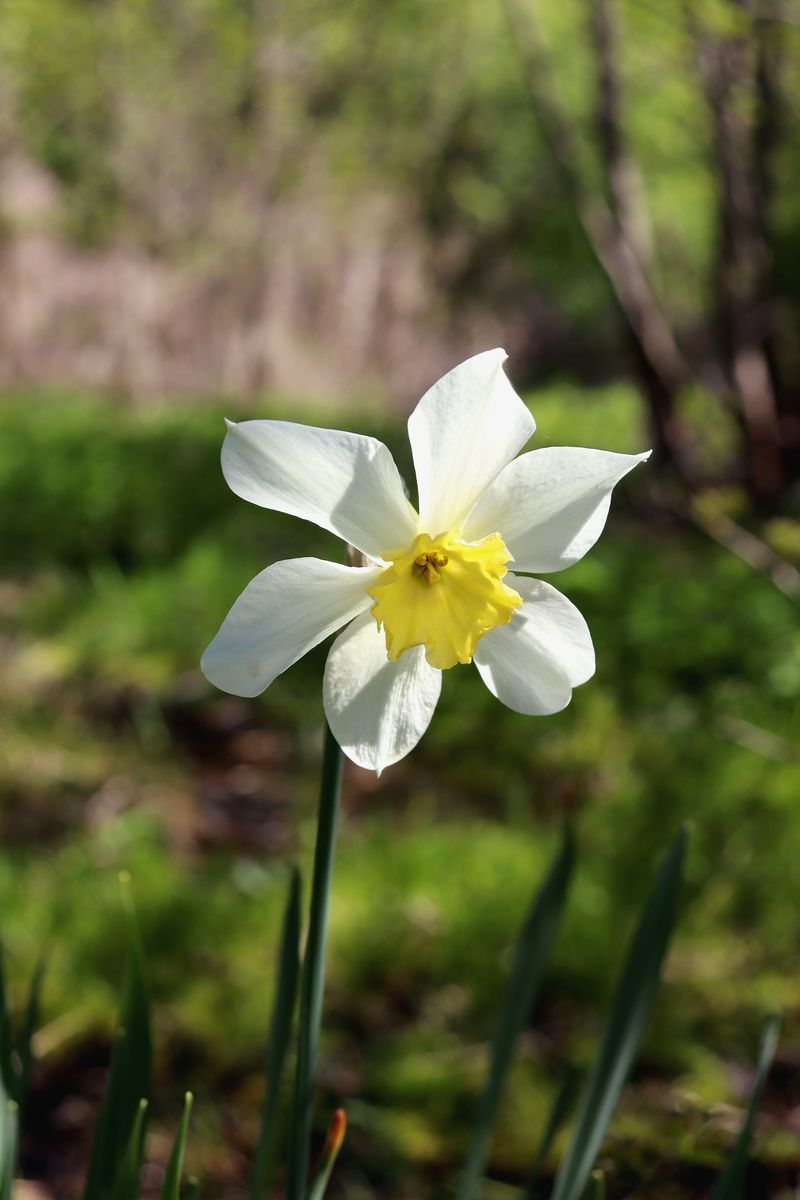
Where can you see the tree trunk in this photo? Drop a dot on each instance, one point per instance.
(728, 72)
(615, 232)
(769, 123)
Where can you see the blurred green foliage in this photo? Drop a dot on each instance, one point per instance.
(178, 128)
(118, 567)
(163, 121)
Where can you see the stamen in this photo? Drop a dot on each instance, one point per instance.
(469, 599)
(428, 566)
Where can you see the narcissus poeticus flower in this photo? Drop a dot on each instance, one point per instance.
(436, 589)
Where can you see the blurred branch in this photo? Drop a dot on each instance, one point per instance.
(752, 551)
(771, 122)
(782, 16)
(615, 233)
(625, 182)
(741, 107)
(752, 737)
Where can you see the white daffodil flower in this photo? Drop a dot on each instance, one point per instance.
(436, 590)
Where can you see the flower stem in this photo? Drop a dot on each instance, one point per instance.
(313, 977)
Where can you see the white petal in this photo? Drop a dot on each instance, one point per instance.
(463, 431)
(377, 710)
(284, 612)
(550, 505)
(342, 481)
(533, 663)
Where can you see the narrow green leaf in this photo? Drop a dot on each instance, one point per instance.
(7, 1072)
(6, 1143)
(126, 1185)
(562, 1105)
(29, 1023)
(9, 1144)
(330, 1152)
(533, 946)
(128, 1081)
(730, 1185)
(313, 973)
(631, 1005)
(597, 1186)
(191, 1190)
(288, 970)
(171, 1187)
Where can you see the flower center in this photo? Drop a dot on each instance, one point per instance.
(429, 565)
(443, 593)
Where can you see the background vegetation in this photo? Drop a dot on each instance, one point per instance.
(314, 209)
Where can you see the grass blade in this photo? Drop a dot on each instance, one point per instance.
(730, 1185)
(8, 1075)
(631, 1005)
(126, 1186)
(279, 1036)
(9, 1144)
(533, 946)
(565, 1098)
(14, 1076)
(597, 1186)
(192, 1189)
(128, 1081)
(8, 1109)
(313, 974)
(171, 1187)
(330, 1152)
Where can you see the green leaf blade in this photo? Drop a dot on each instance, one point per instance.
(8, 1075)
(313, 971)
(330, 1152)
(597, 1186)
(9, 1144)
(126, 1186)
(128, 1081)
(30, 1021)
(171, 1187)
(629, 1011)
(562, 1105)
(279, 1037)
(730, 1185)
(532, 949)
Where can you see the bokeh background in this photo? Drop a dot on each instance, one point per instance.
(311, 210)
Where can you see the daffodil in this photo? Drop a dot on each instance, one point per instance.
(434, 588)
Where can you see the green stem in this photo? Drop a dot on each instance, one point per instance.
(313, 978)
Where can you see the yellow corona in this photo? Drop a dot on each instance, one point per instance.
(444, 594)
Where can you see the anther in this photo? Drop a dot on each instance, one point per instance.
(428, 566)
